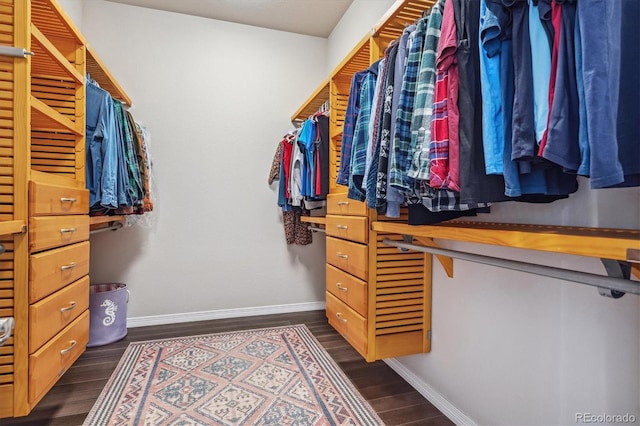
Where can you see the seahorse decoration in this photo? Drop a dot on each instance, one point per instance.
(110, 309)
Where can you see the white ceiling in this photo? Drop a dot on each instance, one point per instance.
(310, 17)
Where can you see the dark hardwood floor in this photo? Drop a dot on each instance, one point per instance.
(396, 402)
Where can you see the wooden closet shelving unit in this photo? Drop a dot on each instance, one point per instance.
(379, 299)
(44, 203)
(383, 307)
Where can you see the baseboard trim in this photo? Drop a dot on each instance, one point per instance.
(223, 313)
(433, 396)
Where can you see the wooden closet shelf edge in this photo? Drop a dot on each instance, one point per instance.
(582, 241)
(320, 220)
(13, 227)
(97, 222)
(313, 102)
(100, 73)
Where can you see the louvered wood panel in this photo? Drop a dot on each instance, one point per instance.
(399, 290)
(49, 19)
(6, 135)
(57, 90)
(53, 152)
(43, 62)
(7, 302)
(57, 93)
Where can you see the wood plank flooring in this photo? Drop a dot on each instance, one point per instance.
(395, 401)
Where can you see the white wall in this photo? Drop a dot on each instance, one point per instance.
(356, 23)
(216, 98)
(73, 9)
(510, 348)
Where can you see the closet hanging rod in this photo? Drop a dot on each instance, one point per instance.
(16, 52)
(601, 281)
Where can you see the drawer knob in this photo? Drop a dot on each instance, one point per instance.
(343, 203)
(72, 305)
(74, 343)
(67, 230)
(69, 266)
(342, 256)
(342, 227)
(67, 200)
(341, 287)
(339, 316)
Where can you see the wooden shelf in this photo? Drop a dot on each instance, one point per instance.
(99, 72)
(318, 220)
(357, 60)
(99, 222)
(13, 227)
(313, 103)
(617, 244)
(401, 14)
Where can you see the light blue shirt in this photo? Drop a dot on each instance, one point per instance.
(306, 138)
(492, 129)
(541, 70)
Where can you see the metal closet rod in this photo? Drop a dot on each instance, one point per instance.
(611, 283)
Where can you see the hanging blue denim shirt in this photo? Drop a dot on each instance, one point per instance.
(350, 118)
(102, 148)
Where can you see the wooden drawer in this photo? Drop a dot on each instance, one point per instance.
(51, 270)
(352, 228)
(50, 362)
(348, 289)
(348, 256)
(57, 231)
(50, 315)
(348, 323)
(48, 199)
(340, 204)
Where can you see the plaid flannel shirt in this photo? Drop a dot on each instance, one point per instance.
(423, 107)
(361, 134)
(399, 160)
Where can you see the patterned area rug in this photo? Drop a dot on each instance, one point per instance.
(276, 376)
